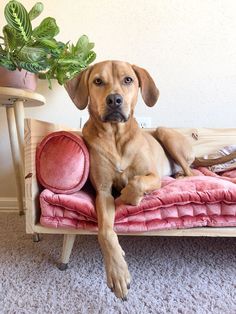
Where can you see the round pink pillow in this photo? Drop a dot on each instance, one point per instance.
(62, 162)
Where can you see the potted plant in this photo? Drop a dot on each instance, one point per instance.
(30, 52)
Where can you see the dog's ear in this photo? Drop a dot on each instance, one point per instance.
(149, 91)
(77, 88)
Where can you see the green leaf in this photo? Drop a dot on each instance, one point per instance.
(71, 61)
(51, 44)
(36, 11)
(65, 72)
(31, 54)
(33, 67)
(60, 77)
(90, 57)
(83, 49)
(90, 46)
(12, 38)
(82, 42)
(9, 40)
(6, 63)
(47, 29)
(17, 17)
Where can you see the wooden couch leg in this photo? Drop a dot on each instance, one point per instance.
(68, 242)
(36, 237)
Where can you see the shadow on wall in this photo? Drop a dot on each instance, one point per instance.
(43, 88)
(7, 182)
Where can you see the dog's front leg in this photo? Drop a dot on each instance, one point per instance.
(118, 277)
(134, 191)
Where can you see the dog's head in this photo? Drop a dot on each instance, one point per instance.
(110, 88)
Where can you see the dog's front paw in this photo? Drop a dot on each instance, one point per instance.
(118, 276)
(131, 193)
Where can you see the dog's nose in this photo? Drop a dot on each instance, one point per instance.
(114, 100)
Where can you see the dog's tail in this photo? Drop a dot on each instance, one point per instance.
(201, 162)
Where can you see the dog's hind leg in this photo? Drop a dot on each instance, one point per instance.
(177, 146)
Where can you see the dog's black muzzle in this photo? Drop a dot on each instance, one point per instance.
(114, 101)
(114, 112)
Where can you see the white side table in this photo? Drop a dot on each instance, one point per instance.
(14, 100)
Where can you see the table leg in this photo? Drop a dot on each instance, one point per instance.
(19, 118)
(15, 155)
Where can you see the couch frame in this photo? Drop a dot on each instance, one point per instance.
(204, 141)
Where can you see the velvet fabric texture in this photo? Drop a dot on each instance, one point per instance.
(180, 203)
(62, 162)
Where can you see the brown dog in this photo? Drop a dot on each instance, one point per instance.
(122, 155)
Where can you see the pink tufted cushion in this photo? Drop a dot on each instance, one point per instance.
(62, 162)
(184, 203)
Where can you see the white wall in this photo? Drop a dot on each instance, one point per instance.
(189, 47)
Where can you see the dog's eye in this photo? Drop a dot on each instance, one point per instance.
(98, 81)
(128, 80)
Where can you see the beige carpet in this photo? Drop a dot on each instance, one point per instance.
(170, 275)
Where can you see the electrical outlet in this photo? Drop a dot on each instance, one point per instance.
(82, 121)
(144, 122)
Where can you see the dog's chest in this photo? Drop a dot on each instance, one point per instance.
(121, 157)
(122, 176)
(125, 169)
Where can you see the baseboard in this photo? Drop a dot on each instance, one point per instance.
(8, 204)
